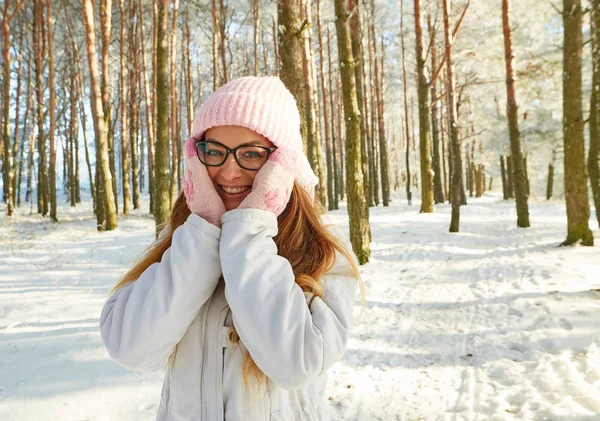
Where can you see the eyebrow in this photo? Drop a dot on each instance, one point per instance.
(251, 143)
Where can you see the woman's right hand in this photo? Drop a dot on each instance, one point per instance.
(200, 194)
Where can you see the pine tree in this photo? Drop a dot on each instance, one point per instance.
(358, 211)
(161, 206)
(576, 194)
(519, 176)
(105, 197)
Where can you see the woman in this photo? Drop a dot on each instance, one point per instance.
(247, 297)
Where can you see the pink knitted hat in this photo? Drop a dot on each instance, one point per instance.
(262, 104)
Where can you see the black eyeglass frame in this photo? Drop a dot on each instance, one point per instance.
(228, 151)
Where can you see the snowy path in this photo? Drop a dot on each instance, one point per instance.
(494, 323)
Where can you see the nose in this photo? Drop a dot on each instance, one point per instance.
(230, 170)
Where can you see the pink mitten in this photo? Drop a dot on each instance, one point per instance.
(201, 196)
(273, 184)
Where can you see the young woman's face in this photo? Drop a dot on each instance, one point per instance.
(232, 182)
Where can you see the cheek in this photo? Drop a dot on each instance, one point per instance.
(212, 172)
(251, 175)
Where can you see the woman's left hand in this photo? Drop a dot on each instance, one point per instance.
(273, 184)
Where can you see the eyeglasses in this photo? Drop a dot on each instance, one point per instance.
(214, 154)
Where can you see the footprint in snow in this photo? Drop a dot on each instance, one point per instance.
(565, 324)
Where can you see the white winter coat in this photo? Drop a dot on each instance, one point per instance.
(182, 308)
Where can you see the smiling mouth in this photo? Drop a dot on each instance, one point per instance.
(235, 191)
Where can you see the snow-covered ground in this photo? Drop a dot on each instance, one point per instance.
(494, 323)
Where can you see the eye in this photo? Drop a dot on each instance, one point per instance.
(210, 150)
(254, 153)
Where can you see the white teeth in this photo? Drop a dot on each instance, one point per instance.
(234, 190)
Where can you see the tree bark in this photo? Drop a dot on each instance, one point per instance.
(509, 176)
(504, 179)
(383, 147)
(424, 115)
(134, 113)
(313, 144)
(438, 188)
(356, 34)
(125, 149)
(105, 87)
(334, 164)
(276, 62)
(594, 151)
(453, 119)
(223, 41)
(174, 171)
(290, 52)
(519, 177)
(358, 211)
(51, 109)
(39, 53)
(105, 195)
(374, 126)
(406, 125)
(8, 167)
(576, 194)
(150, 108)
(550, 184)
(16, 147)
(256, 20)
(162, 123)
(326, 114)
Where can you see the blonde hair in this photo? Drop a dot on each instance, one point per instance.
(302, 239)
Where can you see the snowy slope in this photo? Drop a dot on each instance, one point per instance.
(494, 323)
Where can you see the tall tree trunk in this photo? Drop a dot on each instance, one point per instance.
(594, 151)
(374, 133)
(290, 51)
(576, 194)
(150, 110)
(105, 196)
(8, 168)
(358, 211)
(332, 136)
(509, 176)
(39, 53)
(550, 184)
(453, 118)
(162, 131)
(424, 114)
(313, 144)
(326, 114)
(215, 44)
(51, 109)
(340, 139)
(406, 126)
(174, 171)
(438, 188)
(276, 62)
(134, 114)
(223, 39)
(78, 92)
(504, 179)
(256, 20)
(26, 131)
(513, 122)
(73, 134)
(105, 87)
(15, 151)
(356, 34)
(383, 148)
(125, 150)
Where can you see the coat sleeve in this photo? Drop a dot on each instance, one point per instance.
(142, 322)
(289, 342)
